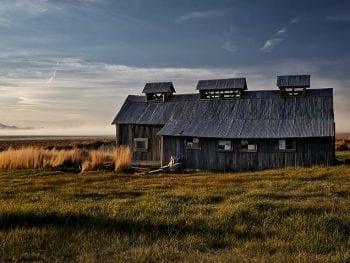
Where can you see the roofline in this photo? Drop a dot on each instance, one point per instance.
(237, 78)
(244, 138)
(246, 91)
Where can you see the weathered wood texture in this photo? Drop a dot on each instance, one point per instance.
(127, 133)
(255, 115)
(310, 151)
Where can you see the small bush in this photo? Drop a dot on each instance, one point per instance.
(343, 147)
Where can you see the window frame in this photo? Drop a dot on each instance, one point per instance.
(192, 140)
(248, 142)
(224, 150)
(155, 97)
(220, 94)
(287, 142)
(144, 140)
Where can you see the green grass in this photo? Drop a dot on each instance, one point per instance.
(342, 156)
(289, 215)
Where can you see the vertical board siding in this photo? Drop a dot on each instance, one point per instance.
(126, 134)
(311, 151)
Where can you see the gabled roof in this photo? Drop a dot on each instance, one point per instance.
(222, 84)
(256, 114)
(293, 81)
(159, 87)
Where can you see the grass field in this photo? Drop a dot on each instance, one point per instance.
(290, 215)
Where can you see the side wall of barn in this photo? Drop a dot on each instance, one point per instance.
(308, 152)
(126, 133)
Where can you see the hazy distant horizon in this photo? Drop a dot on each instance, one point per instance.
(82, 131)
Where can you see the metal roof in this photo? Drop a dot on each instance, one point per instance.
(256, 114)
(222, 84)
(293, 81)
(159, 87)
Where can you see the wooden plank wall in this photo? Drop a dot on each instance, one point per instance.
(312, 151)
(127, 132)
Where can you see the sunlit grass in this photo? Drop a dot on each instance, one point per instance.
(39, 158)
(287, 215)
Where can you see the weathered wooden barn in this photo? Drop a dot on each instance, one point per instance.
(227, 127)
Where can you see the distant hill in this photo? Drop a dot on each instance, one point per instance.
(6, 127)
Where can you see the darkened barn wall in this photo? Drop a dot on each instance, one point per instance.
(310, 151)
(125, 134)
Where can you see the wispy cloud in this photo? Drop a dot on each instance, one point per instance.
(278, 37)
(229, 42)
(11, 10)
(53, 75)
(204, 14)
(270, 44)
(282, 31)
(230, 46)
(90, 93)
(295, 20)
(339, 18)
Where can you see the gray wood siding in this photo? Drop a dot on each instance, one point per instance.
(311, 151)
(126, 134)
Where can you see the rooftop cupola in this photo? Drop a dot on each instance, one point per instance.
(221, 88)
(158, 91)
(293, 85)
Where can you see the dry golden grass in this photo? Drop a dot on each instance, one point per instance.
(21, 159)
(98, 157)
(39, 158)
(122, 157)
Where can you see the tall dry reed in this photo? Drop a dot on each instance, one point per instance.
(122, 157)
(95, 160)
(39, 158)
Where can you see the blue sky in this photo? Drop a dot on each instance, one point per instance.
(71, 63)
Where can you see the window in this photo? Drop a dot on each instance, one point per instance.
(224, 145)
(293, 91)
(141, 144)
(286, 145)
(220, 94)
(249, 146)
(156, 97)
(192, 143)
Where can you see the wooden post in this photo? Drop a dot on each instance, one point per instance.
(117, 134)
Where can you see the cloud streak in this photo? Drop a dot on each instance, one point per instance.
(230, 46)
(195, 15)
(339, 18)
(49, 81)
(53, 76)
(12, 10)
(278, 37)
(270, 44)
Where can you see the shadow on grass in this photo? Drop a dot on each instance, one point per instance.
(98, 196)
(153, 228)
